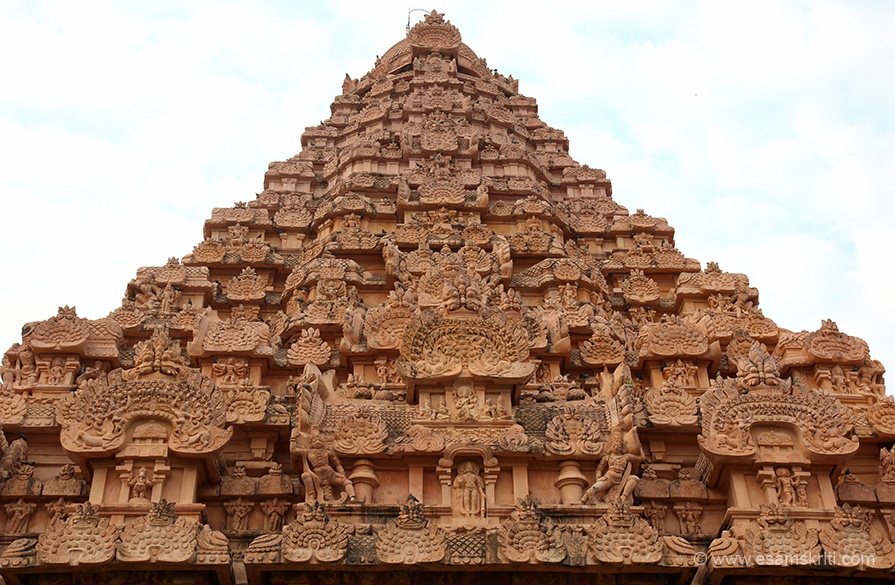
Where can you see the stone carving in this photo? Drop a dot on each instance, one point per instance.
(230, 372)
(161, 386)
(65, 484)
(238, 512)
(850, 540)
(573, 432)
(322, 472)
(728, 413)
(410, 538)
(362, 432)
(160, 536)
(82, 539)
(18, 514)
(620, 537)
(434, 293)
(774, 535)
(530, 536)
(247, 286)
(469, 491)
(615, 473)
(274, 513)
(309, 348)
(64, 332)
(670, 405)
(314, 536)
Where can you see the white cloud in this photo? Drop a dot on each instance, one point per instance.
(762, 131)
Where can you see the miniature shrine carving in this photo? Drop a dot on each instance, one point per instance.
(435, 341)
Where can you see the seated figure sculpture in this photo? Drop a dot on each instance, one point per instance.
(615, 478)
(322, 470)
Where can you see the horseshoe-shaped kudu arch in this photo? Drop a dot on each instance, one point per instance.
(434, 347)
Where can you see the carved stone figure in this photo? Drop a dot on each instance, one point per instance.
(322, 471)
(469, 490)
(615, 477)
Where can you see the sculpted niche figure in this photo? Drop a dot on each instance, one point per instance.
(322, 470)
(469, 491)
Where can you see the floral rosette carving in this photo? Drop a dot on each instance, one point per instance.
(360, 433)
(310, 348)
(64, 332)
(850, 540)
(622, 538)
(209, 252)
(160, 536)
(160, 387)
(530, 536)
(728, 414)
(247, 286)
(82, 539)
(314, 537)
(671, 406)
(410, 538)
(774, 535)
(573, 432)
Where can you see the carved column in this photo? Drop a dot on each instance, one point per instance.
(570, 482)
(365, 480)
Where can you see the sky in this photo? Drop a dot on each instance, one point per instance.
(763, 131)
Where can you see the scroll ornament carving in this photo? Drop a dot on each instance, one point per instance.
(530, 536)
(728, 413)
(384, 325)
(235, 334)
(314, 537)
(19, 554)
(160, 386)
(245, 403)
(82, 539)
(620, 537)
(830, 345)
(672, 337)
(882, 416)
(758, 368)
(64, 332)
(671, 406)
(160, 536)
(410, 538)
(310, 348)
(13, 406)
(247, 286)
(359, 433)
(603, 348)
(640, 289)
(850, 539)
(775, 535)
(425, 439)
(464, 339)
(573, 432)
(212, 547)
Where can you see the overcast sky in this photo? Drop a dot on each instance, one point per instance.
(763, 131)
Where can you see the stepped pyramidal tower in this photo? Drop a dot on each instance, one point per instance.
(436, 347)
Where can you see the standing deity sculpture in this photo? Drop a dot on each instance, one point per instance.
(469, 491)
